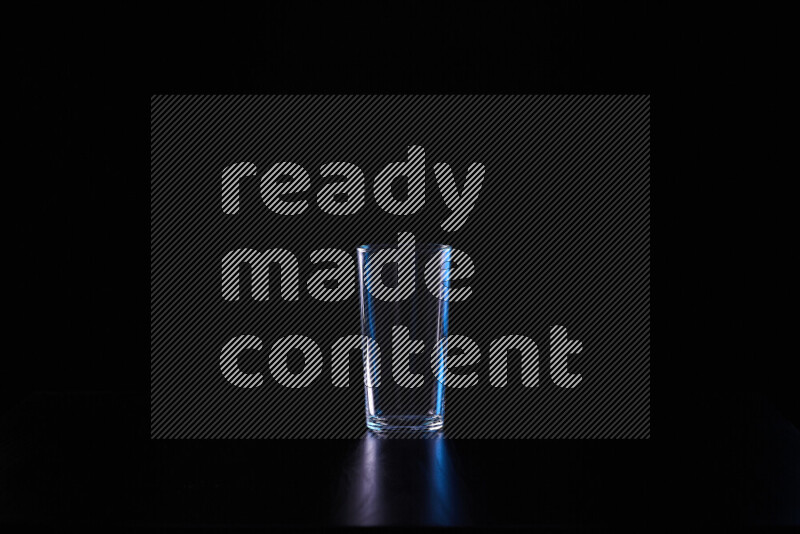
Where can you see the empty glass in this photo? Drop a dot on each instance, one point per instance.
(403, 292)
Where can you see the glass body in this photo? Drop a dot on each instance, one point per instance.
(404, 319)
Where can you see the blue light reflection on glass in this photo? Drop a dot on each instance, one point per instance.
(443, 349)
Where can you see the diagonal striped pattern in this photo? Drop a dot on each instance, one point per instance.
(458, 351)
(259, 263)
(529, 360)
(342, 198)
(403, 347)
(334, 283)
(461, 204)
(229, 366)
(414, 170)
(548, 197)
(403, 255)
(278, 361)
(458, 265)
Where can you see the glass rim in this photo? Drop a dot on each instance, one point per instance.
(424, 246)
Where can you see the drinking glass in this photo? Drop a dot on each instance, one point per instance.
(403, 293)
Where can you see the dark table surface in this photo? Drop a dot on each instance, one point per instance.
(86, 459)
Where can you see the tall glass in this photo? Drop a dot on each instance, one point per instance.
(403, 292)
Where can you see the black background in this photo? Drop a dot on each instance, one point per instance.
(76, 198)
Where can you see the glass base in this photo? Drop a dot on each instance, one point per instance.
(420, 423)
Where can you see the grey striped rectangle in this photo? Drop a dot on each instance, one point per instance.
(559, 235)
